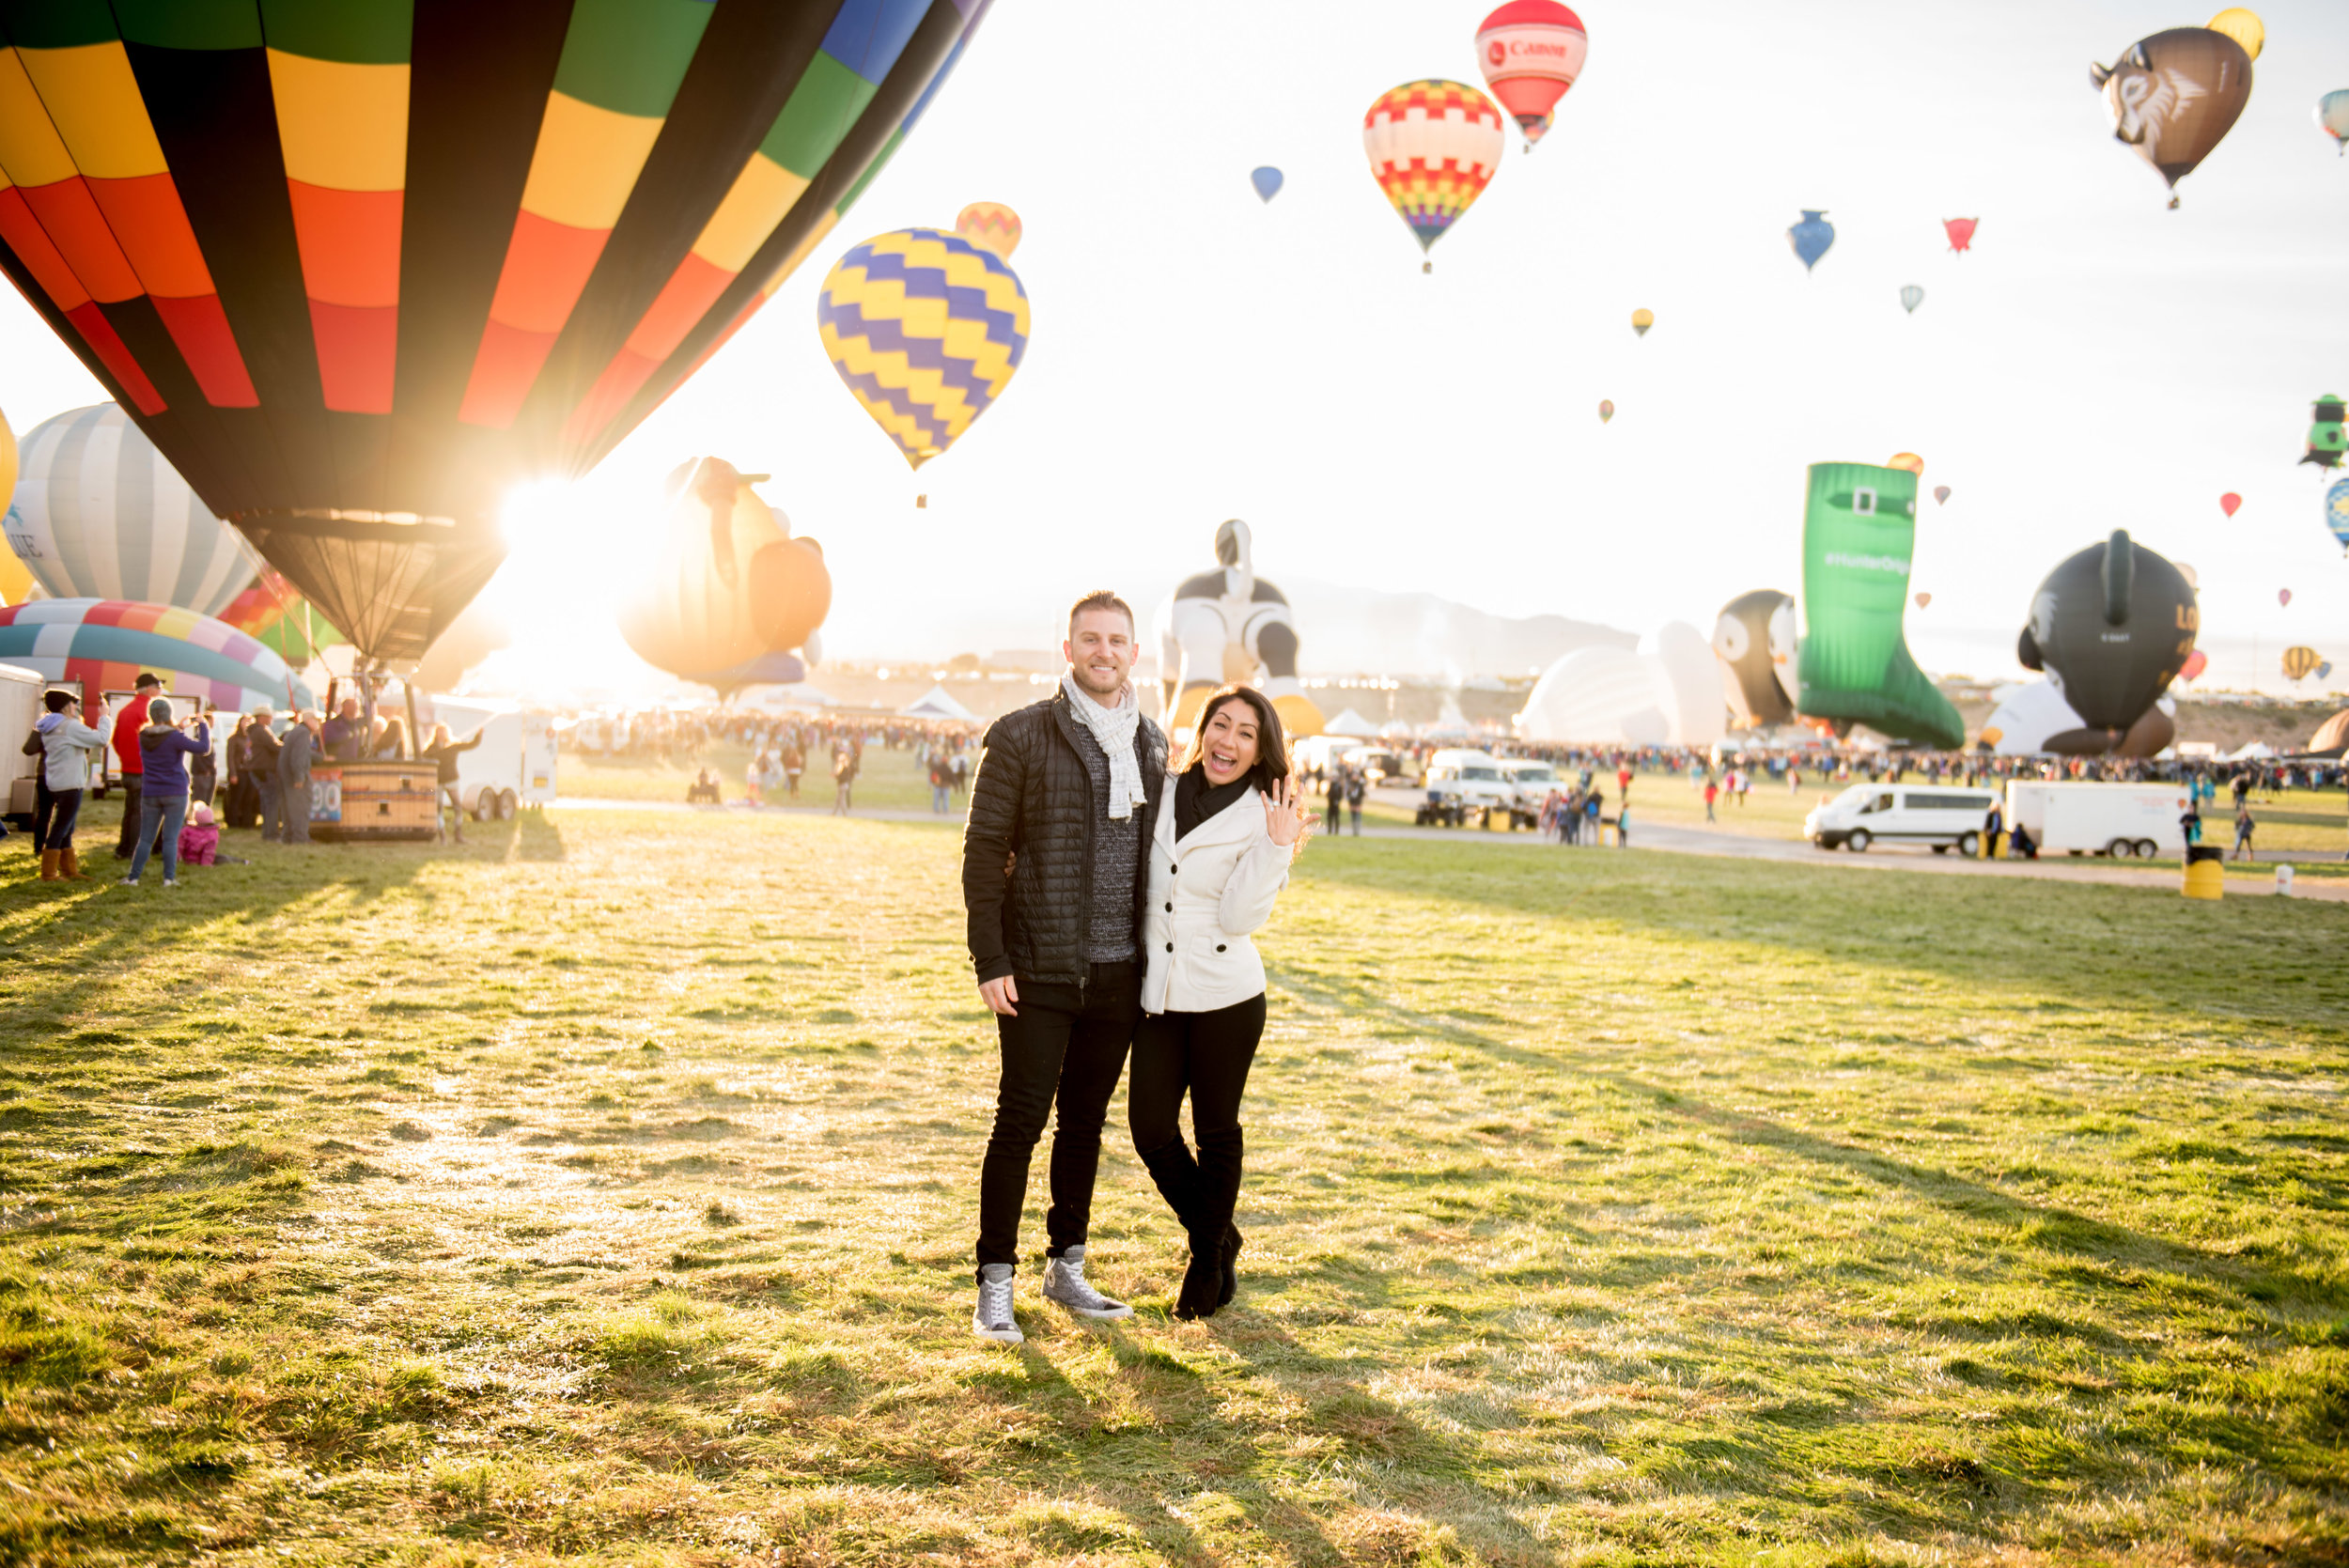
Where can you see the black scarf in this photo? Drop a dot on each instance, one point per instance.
(1195, 799)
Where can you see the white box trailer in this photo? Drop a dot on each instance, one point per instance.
(2123, 820)
(21, 707)
(514, 764)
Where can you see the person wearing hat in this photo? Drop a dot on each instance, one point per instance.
(296, 750)
(164, 749)
(199, 841)
(128, 760)
(260, 752)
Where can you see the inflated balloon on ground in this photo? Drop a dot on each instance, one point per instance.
(98, 513)
(274, 614)
(2112, 626)
(2174, 95)
(1530, 52)
(105, 645)
(991, 225)
(362, 275)
(15, 576)
(925, 330)
(1860, 530)
(1754, 639)
(1433, 147)
(1811, 236)
(1229, 625)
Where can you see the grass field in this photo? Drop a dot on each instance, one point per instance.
(889, 781)
(603, 1192)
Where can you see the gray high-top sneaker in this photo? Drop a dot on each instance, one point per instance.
(992, 1319)
(1064, 1283)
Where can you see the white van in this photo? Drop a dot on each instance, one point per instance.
(1471, 781)
(1944, 817)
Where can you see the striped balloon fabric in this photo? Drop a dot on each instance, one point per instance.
(104, 643)
(361, 266)
(1433, 147)
(925, 328)
(99, 514)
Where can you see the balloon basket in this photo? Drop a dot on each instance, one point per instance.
(2205, 872)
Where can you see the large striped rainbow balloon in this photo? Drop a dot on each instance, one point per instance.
(926, 329)
(106, 643)
(360, 268)
(1433, 148)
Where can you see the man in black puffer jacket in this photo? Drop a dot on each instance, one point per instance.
(1052, 876)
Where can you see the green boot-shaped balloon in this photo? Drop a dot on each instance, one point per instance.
(1854, 664)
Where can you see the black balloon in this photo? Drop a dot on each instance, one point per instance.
(2111, 627)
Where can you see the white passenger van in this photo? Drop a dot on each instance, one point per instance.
(1940, 815)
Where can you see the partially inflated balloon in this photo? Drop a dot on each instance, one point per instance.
(1941, 495)
(1961, 232)
(991, 224)
(2332, 118)
(1433, 148)
(1606, 409)
(1641, 320)
(1530, 52)
(361, 266)
(925, 330)
(2112, 626)
(1267, 181)
(15, 576)
(1908, 461)
(1811, 236)
(274, 613)
(2196, 662)
(2242, 25)
(1911, 296)
(2174, 95)
(104, 645)
(2229, 501)
(2336, 511)
(2298, 662)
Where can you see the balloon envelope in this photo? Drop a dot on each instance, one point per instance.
(991, 225)
(1433, 147)
(1606, 409)
(1961, 232)
(1911, 296)
(2336, 511)
(98, 513)
(1941, 495)
(1267, 181)
(2112, 626)
(724, 582)
(2229, 501)
(1923, 599)
(2173, 97)
(2243, 26)
(925, 330)
(1530, 52)
(2284, 597)
(106, 643)
(1860, 531)
(2329, 437)
(274, 613)
(2196, 662)
(1754, 637)
(2298, 662)
(359, 277)
(1811, 236)
(1642, 320)
(1908, 462)
(15, 576)
(2332, 117)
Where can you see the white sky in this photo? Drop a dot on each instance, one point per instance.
(2096, 361)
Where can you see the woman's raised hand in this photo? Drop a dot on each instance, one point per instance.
(1284, 818)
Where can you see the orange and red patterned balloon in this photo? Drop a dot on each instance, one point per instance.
(1433, 147)
(990, 225)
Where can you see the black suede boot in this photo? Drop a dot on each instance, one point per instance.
(1231, 1260)
(1219, 1195)
(1178, 1176)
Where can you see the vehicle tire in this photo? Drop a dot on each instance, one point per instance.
(508, 803)
(1970, 844)
(2147, 849)
(2120, 849)
(1941, 848)
(1859, 841)
(484, 803)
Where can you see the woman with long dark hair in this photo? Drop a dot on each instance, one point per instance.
(1219, 859)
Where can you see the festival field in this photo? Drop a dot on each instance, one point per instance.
(605, 1192)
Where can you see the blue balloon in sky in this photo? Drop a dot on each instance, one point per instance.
(1811, 238)
(2336, 511)
(1267, 181)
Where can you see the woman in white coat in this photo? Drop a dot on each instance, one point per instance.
(1219, 856)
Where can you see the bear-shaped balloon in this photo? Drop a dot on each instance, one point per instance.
(1230, 626)
(2111, 627)
(1754, 640)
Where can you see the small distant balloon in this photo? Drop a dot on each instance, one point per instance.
(1911, 296)
(1642, 319)
(2229, 501)
(1908, 460)
(2332, 118)
(2336, 511)
(1606, 409)
(2328, 435)
(1941, 495)
(2325, 669)
(1961, 232)
(990, 225)
(2196, 662)
(2240, 25)
(1810, 237)
(2298, 662)
(1267, 181)
(2284, 597)
(1923, 599)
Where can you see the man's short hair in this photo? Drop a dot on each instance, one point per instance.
(1101, 599)
(148, 679)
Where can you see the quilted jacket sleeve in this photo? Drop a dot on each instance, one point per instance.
(996, 792)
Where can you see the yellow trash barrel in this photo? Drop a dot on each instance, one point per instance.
(2205, 872)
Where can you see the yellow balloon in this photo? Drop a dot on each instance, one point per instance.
(16, 580)
(1908, 460)
(2243, 26)
(1641, 320)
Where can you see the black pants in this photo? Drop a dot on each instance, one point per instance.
(65, 810)
(129, 816)
(1206, 1055)
(1065, 1047)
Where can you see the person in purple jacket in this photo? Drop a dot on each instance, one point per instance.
(163, 751)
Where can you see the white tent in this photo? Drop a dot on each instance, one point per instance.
(937, 703)
(1350, 722)
(2256, 749)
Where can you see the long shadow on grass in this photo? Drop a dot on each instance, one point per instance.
(2079, 946)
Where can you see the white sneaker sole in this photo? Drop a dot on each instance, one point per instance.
(999, 1336)
(1095, 1314)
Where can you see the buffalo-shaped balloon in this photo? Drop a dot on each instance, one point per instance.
(2112, 626)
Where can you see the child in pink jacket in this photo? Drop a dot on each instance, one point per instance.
(199, 841)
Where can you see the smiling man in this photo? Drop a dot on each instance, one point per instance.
(1066, 794)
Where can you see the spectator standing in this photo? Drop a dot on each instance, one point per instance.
(1353, 801)
(203, 772)
(1592, 807)
(942, 782)
(128, 761)
(296, 749)
(164, 792)
(443, 753)
(794, 763)
(264, 750)
(1710, 791)
(1993, 827)
(1623, 824)
(68, 747)
(2243, 826)
(843, 769)
(1334, 801)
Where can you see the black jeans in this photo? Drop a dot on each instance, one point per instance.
(130, 783)
(1067, 1047)
(1206, 1054)
(65, 810)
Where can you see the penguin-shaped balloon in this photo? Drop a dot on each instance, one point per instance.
(1231, 626)
(2111, 627)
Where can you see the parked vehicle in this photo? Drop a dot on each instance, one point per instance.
(1378, 765)
(20, 708)
(514, 762)
(2126, 821)
(1534, 782)
(1943, 816)
(1461, 784)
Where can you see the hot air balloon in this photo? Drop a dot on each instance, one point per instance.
(2327, 437)
(925, 330)
(990, 225)
(2283, 597)
(1606, 409)
(360, 278)
(1911, 296)
(2332, 118)
(2298, 662)
(2229, 501)
(1923, 599)
(2112, 627)
(98, 513)
(15, 576)
(1961, 232)
(274, 614)
(1941, 495)
(1860, 531)
(1642, 320)
(2336, 511)
(2243, 26)
(1433, 147)
(728, 584)
(1908, 462)
(2174, 95)
(2196, 662)
(1267, 181)
(1531, 51)
(1810, 237)
(1754, 639)
(2325, 669)
(104, 643)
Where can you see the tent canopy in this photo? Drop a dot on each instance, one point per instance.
(937, 703)
(1350, 722)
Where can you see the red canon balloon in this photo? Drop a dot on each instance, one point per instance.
(2229, 501)
(1531, 51)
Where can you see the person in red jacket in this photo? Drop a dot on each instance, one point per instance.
(126, 744)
